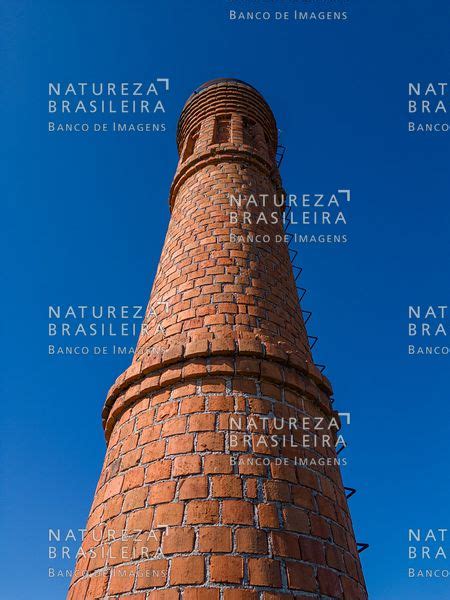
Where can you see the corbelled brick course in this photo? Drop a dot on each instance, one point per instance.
(193, 501)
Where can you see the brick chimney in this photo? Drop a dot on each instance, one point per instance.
(209, 490)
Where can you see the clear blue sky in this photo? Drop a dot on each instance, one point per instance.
(86, 217)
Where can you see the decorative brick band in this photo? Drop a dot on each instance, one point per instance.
(216, 155)
(198, 359)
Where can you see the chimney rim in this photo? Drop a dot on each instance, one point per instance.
(232, 83)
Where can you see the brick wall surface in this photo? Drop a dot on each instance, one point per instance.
(203, 493)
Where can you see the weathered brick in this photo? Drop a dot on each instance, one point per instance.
(187, 570)
(135, 499)
(193, 487)
(152, 573)
(180, 444)
(218, 463)
(285, 544)
(169, 514)
(206, 511)
(178, 539)
(140, 519)
(162, 492)
(226, 569)
(202, 422)
(187, 465)
(226, 486)
(215, 539)
(268, 516)
(296, 519)
(122, 581)
(193, 593)
(250, 540)
(158, 471)
(237, 512)
(301, 577)
(214, 442)
(239, 594)
(264, 571)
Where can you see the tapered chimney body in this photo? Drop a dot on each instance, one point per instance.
(218, 482)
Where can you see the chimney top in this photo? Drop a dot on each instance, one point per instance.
(220, 80)
(226, 95)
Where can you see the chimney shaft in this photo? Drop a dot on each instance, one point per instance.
(220, 434)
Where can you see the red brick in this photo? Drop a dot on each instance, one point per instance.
(251, 541)
(214, 442)
(239, 594)
(206, 511)
(158, 471)
(251, 487)
(218, 463)
(277, 490)
(152, 573)
(162, 492)
(237, 512)
(135, 499)
(226, 569)
(329, 583)
(98, 585)
(296, 519)
(286, 472)
(131, 459)
(285, 544)
(180, 444)
(214, 539)
(174, 426)
(113, 487)
(312, 550)
(193, 487)
(169, 514)
(168, 594)
(187, 465)
(178, 539)
(264, 572)
(302, 496)
(227, 486)
(133, 478)
(187, 570)
(122, 580)
(221, 403)
(192, 593)
(213, 386)
(192, 405)
(352, 591)
(334, 557)
(268, 516)
(150, 434)
(78, 589)
(320, 527)
(153, 451)
(326, 507)
(140, 520)
(112, 507)
(167, 410)
(301, 577)
(183, 390)
(249, 464)
(202, 422)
